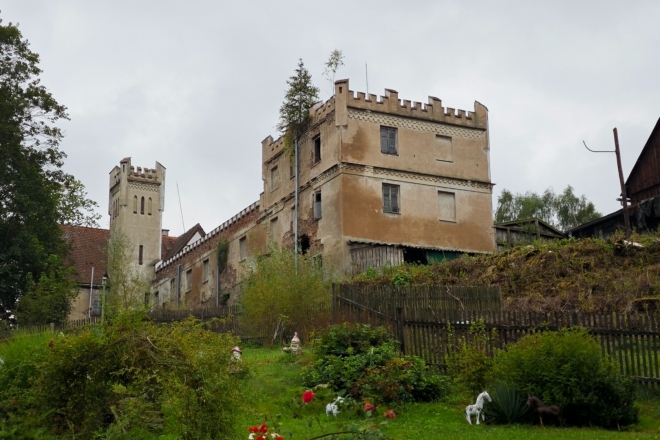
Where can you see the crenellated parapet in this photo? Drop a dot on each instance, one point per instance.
(390, 103)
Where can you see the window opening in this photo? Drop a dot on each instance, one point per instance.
(205, 273)
(273, 178)
(188, 280)
(304, 244)
(134, 204)
(149, 206)
(317, 149)
(273, 229)
(140, 254)
(388, 140)
(391, 198)
(242, 248)
(414, 256)
(142, 205)
(317, 205)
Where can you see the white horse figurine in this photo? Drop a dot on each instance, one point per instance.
(477, 409)
(332, 408)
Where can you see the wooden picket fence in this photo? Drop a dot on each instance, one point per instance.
(430, 332)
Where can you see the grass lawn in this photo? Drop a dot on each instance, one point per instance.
(274, 383)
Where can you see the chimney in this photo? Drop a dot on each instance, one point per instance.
(166, 232)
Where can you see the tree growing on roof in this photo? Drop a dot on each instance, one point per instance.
(35, 194)
(298, 100)
(563, 211)
(335, 61)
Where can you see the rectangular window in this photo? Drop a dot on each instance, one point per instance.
(274, 181)
(188, 280)
(140, 254)
(146, 299)
(205, 273)
(447, 203)
(444, 152)
(388, 140)
(273, 229)
(391, 198)
(317, 205)
(242, 248)
(292, 168)
(172, 285)
(156, 299)
(316, 157)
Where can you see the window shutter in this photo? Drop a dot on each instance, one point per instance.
(391, 138)
(383, 140)
(387, 207)
(394, 191)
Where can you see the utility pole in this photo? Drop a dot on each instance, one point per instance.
(624, 197)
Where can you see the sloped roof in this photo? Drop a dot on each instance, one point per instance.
(549, 229)
(88, 249)
(168, 243)
(649, 144)
(183, 240)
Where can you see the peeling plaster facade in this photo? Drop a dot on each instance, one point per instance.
(382, 181)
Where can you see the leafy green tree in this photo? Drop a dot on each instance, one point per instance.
(335, 61)
(298, 100)
(35, 194)
(49, 299)
(127, 285)
(564, 211)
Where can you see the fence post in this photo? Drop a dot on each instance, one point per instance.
(334, 305)
(399, 328)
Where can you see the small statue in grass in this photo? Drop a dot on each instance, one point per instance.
(295, 347)
(236, 354)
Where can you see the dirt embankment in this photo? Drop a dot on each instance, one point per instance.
(590, 275)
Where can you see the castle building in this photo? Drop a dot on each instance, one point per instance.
(382, 181)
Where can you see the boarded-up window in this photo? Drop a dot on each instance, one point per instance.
(274, 178)
(188, 280)
(205, 273)
(391, 198)
(447, 203)
(388, 140)
(242, 248)
(443, 147)
(317, 205)
(316, 153)
(273, 229)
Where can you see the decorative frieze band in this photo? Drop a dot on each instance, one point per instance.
(143, 187)
(395, 121)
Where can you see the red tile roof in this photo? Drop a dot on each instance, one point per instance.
(88, 249)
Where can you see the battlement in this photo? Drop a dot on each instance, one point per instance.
(143, 174)
(391, 104)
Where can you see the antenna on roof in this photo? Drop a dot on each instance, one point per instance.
(366, 74)
(180, 209)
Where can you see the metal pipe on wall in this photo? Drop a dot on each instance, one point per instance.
(295, 218)
(91, 294)
(178, 285)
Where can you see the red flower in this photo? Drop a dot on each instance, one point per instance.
(263, 428)
(368, 406)
(261, 437)
(389, 414)
(307, 396)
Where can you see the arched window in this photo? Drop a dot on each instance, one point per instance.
(142, 206)
(149, 206)
(134, 204)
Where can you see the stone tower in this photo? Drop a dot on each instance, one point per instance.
(136, 203)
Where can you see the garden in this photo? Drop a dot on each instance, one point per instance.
(132, 379)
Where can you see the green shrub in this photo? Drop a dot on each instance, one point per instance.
(468, 362)
(509, 405)
(133, 379)
(365, 362)
(565, 368)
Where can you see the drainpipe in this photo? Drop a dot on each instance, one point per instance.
(217, 287)
(295, 218)
(178, 285)
(91, 294)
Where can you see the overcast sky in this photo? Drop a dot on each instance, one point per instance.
(196, 85)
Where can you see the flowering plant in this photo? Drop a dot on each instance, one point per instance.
(307, 396)
(260, 433)
(368, 407)
(389, 414)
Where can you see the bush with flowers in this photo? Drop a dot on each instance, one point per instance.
(365, 362)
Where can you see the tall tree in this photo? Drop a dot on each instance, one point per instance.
(335, 61)
(35, 194)
(298, 100)
(564, 211)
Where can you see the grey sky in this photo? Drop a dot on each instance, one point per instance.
(197, 85)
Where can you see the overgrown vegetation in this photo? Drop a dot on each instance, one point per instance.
(280, 296)
(566, 368)
(468, 361)
(127, 379)
(127, 284)
(365, 363)
(590, 275)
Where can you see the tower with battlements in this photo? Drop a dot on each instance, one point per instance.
(135, 204)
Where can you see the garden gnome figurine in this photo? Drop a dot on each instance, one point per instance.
(236, 354)
(295, 344)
